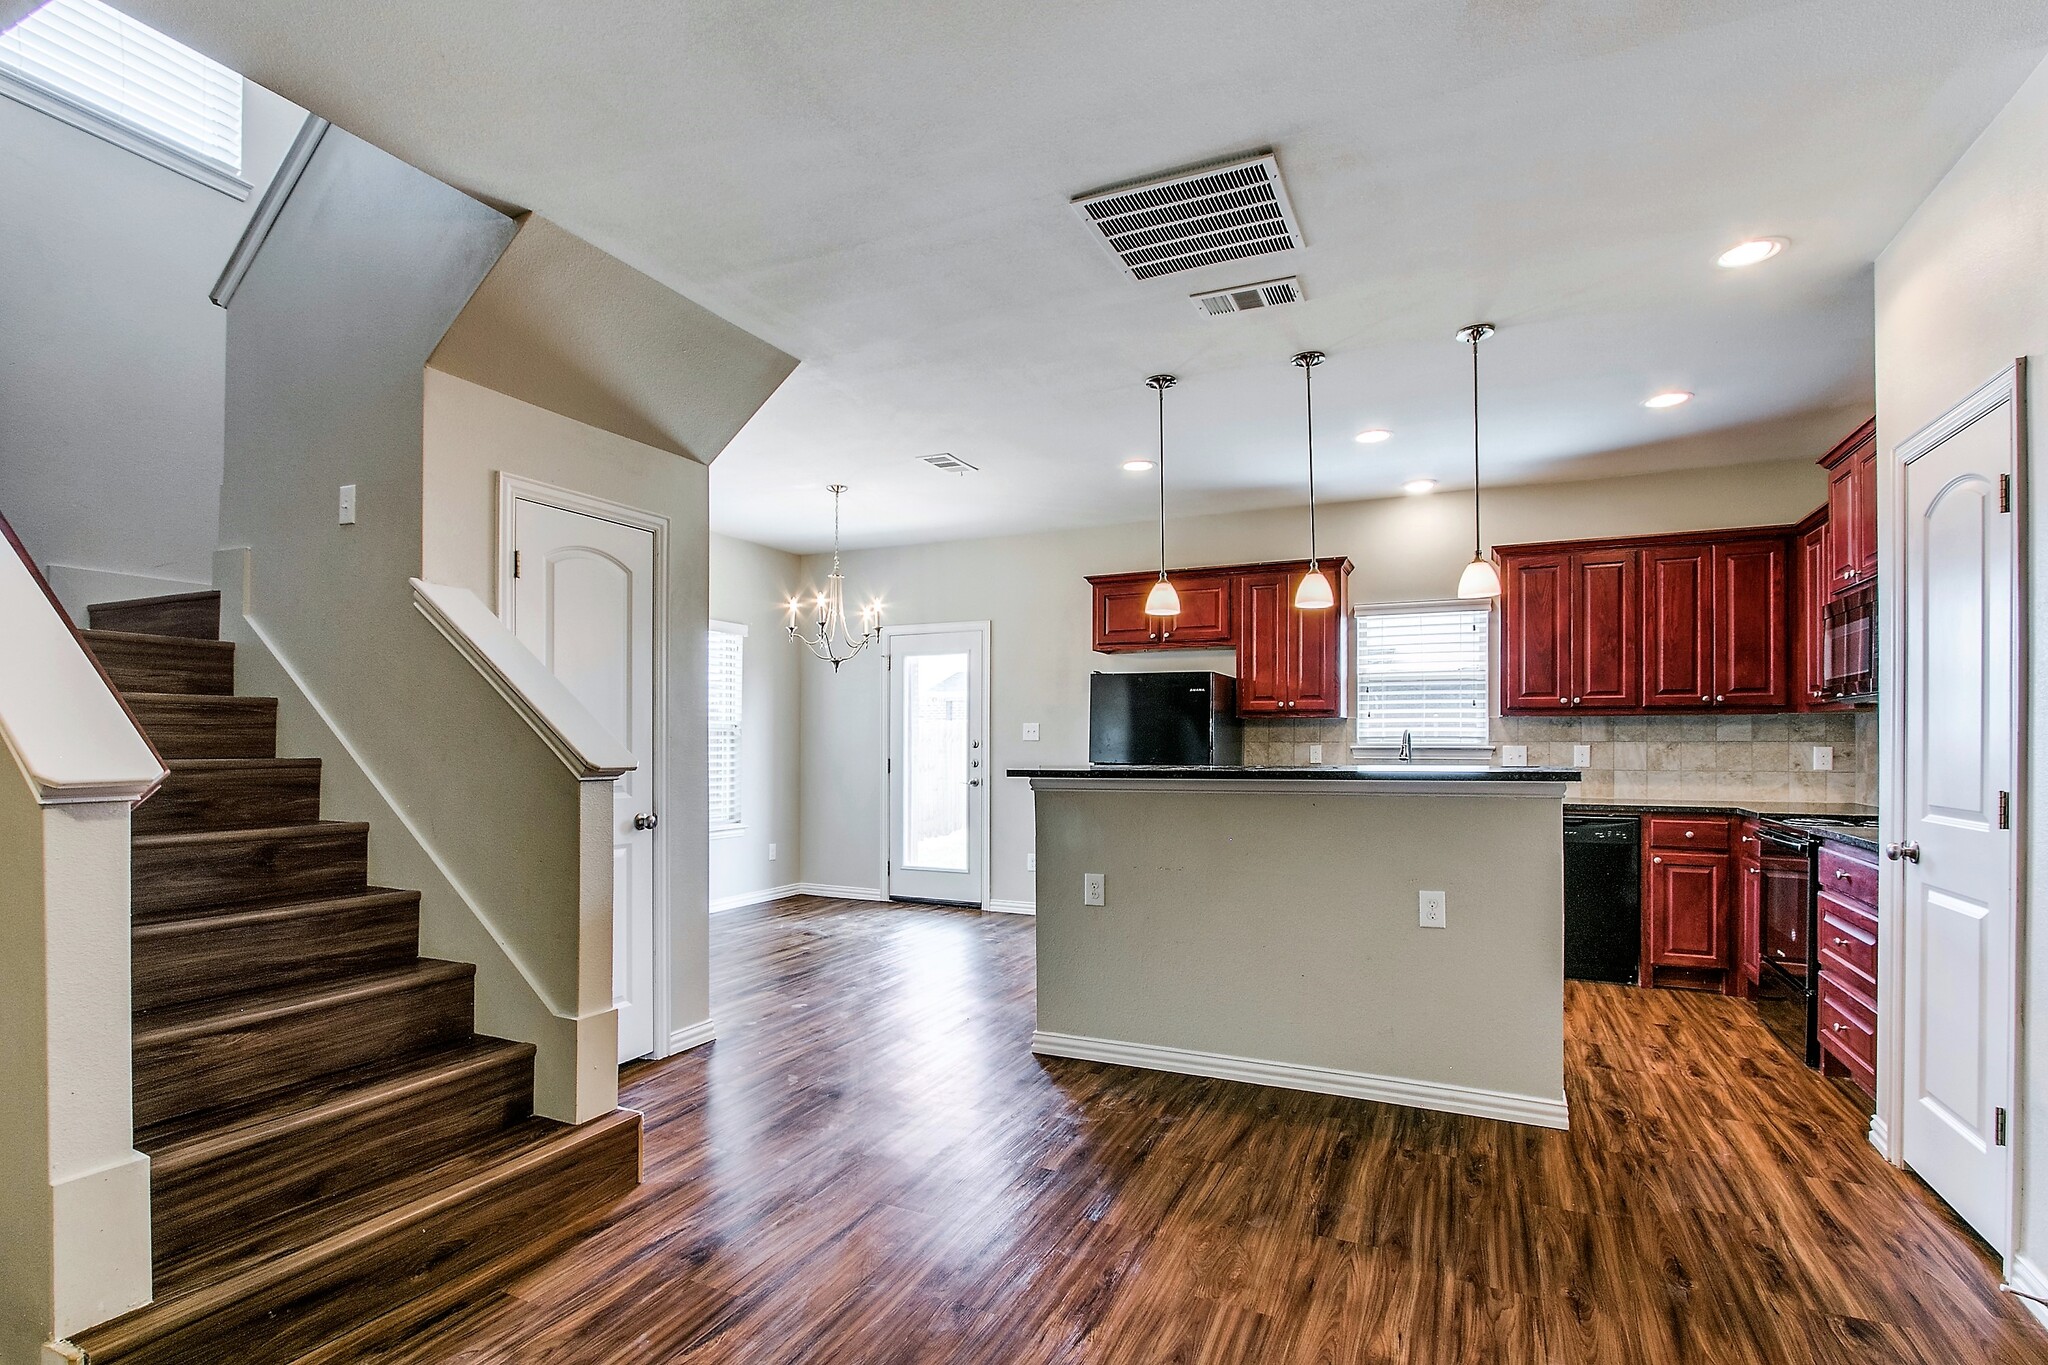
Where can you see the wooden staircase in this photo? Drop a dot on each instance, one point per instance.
(335, 1156)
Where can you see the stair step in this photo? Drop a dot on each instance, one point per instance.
(232, 793)
(215, 952)
(194, 615)
(219, 1055)
(224, 1191)
(164, 663)
(268, 865)
(383, 1265)
(183, 726)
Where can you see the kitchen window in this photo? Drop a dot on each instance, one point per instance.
(104, 73)
(727, 657)
(1422, 671)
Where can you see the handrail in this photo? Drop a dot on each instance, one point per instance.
(585, 747)
(296, 158)
(63, 719)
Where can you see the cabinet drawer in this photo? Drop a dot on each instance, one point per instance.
(1707, 835)
(1848, 944)
(1848, 1028)
(1848, 877)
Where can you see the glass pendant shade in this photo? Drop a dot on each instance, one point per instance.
(1163, 600)
(1314, 592)
(1480, 579)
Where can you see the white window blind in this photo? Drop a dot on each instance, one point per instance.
(1422, 670)
(726, 652)
(86, 58)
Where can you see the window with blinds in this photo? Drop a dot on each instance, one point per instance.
(1423, 670)
(98, 69)
(726, 654)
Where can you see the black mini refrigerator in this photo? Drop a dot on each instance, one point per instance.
(1178, 719)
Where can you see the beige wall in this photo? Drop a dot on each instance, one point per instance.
(749, 584)
(1961, 291)
(471, 435)
(1031, 589)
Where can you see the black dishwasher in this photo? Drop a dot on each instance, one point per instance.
(1603, 898)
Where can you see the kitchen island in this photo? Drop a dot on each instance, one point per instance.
(1264, 925)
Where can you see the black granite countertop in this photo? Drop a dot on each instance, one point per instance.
(1379, 772)
(1864, 837)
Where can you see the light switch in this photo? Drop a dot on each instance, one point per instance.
(1823, 758)
(1091, 888)
(1582, 755)
(1031, 731)
(1432, 903)
(1031, 862)
(1514, 755)
(771, 853)
(348, 504)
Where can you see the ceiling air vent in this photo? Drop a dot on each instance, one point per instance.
(1194, 218)
(950, 463)
(1245, 297)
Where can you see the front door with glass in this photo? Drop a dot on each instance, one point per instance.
(938, 763)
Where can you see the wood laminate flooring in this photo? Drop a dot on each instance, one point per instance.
(869, 1166)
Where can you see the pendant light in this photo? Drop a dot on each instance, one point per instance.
(1314, 593)
(1163, 600)
(1480, 578)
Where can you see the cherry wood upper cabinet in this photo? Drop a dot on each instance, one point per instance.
(1810, 600)
(1678, 627)
(1852, 510)
(1536, 638)
(1569, 637)
(1606, 600)
(1865, 503)
(1749, 624)
(1292, 662)
(1207, 620)
(1263, 606)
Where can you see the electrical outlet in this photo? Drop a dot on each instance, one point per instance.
(771, 853)
(1582, 755)
(1823, 758)
(348, 504)
(1315, 753)
(1091, 888)
(1432, 903)
(1514, 755)
(1031, 862)
(1031, 731)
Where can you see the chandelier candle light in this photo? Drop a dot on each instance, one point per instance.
(1480, 578)
(1314, 593)
(1163, 600)
(829, 639)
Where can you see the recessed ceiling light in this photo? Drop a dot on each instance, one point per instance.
(1417, 487)
(1670, 398)
(1137, 466)
(1750, 252)
(1372, 437)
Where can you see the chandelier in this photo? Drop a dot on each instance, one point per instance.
(829, 638)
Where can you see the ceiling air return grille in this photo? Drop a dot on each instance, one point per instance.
(1196, 218)
(1245, 297)
(949, 462)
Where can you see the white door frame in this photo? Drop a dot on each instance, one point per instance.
(1887, 1123)
(514, 488)
(890, 634)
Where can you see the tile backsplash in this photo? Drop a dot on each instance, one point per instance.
(1650, 757)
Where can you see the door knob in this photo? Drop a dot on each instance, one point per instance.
(647, 820)
(1910, 852)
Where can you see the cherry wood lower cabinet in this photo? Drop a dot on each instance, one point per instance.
(1847, 905)
(1688, 903)
(1749, 908)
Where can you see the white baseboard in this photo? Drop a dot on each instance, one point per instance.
(761, 897)
(683, 1039)
(1880, 1137)
(1012, 907)
(1456, 1099)
(839, 893)
(2023, 1275)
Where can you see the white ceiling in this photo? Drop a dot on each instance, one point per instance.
(881, 190)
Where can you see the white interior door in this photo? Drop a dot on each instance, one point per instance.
(583, 601)
(938, 764)
(1959, 765)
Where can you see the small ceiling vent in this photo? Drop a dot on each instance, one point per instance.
(1245, 297)
(950, 463)
(1194, 218)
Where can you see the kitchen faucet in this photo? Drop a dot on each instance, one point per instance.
(1407, 754)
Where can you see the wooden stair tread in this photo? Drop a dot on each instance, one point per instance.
(160, 1028)
(189, 1140)
(297, 1263)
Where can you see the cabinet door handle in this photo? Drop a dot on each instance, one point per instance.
(1656, 860)
(1839, 1028)
(1841, 942)
(1720, 699)
(1840, 875)
(1705, 697)
(1688, 834)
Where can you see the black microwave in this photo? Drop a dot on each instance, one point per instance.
(1849, 646)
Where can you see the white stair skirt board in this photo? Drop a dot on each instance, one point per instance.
(840, 893)
(1534, 1110)
(683, 1039)
(2023, 1275)
(761, 897)
(1012, 907)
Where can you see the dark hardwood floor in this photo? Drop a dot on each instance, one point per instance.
(869, 1166)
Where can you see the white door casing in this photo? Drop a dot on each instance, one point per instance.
(939, 767)
(583, 597)
(1959, 767)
